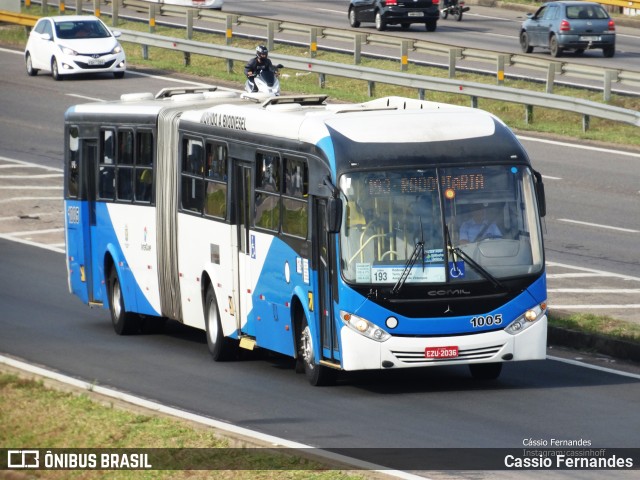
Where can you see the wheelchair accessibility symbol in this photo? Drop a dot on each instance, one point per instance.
(456, 269)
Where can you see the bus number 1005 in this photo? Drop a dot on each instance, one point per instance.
(486, 321)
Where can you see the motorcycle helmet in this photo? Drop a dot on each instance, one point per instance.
(261, 51)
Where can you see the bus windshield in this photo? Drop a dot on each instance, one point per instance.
(439, 225)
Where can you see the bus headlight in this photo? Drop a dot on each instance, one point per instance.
(527, 319)
(364, 327)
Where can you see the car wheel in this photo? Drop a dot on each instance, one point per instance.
(353, 21)
(431, 25)
(124, 323)
(220, 347)
(317, 374)
(524, 43)
(609, 52)
(485, 371)
(32, 72)
(380, 23)
(54, 70)
(554, 48)
(118, 74)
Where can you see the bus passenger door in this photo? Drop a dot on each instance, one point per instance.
(243, 287)
(90, 160)
(325, 261)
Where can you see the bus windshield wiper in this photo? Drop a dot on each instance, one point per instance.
(476, 266)
(418, 249)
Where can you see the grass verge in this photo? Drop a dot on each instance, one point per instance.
(598, 325)
(36, 416)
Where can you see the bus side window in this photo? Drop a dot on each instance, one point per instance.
(216, 181)
(267, 199)
(295, 211)
(73, 166)
(124, 163)
(107, 169)
(192, 188)
(144, 166)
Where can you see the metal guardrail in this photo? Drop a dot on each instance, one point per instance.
(421, 83)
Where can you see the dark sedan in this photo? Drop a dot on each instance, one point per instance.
(395, 12)
(576, 26)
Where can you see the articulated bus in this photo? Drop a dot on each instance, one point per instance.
(389, 234)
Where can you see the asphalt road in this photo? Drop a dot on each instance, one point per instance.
(42, 323)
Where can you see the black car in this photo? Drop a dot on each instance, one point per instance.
(394, 12)
(577, 26)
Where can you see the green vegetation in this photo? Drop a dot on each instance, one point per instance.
(600, 325)
(80, 421)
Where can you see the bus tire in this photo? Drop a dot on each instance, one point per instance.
(124, 323)
(485, 371)
(317, 374)
(220, 347)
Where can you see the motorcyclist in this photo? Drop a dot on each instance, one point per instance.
(257, 64)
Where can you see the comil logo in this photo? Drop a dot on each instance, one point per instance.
(23, 459)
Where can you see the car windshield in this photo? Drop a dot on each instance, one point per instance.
(81, 29)
(439, 225)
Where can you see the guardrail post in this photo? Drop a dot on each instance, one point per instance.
(528, 114)
(78, 7)
(421, 94)
(152, 18)
(554, 67)
(229, 29)
(45, 7)
(271, 32)
(313, 41)
(610, 76)
(189, 34)
(357, 48)
(585, 122)
(500, 73)
(96, 8)
(474, 101)
(371, 88)
(115, 12)
(454, 54)
(404, 55)
(322, 80)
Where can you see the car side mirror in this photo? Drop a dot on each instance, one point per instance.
(540, 195)
(46, 37)
(116, 33)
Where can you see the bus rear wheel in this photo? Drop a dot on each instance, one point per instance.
(317, 374)
(220, 347)
(124, 323)
(485, 371)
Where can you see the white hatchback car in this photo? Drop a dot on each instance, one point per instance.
(71, 45)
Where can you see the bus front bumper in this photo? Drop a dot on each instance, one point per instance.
(361, 353)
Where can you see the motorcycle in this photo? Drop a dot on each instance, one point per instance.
(454, 7)
(266, 81)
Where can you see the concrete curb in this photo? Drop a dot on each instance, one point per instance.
(620, 349)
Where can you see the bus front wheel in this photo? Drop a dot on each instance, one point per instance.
(317, 374)
(220, 347)
(124, 323)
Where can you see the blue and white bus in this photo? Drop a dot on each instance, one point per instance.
(390, 234)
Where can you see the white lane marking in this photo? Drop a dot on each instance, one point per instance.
(598, 225)
(43, 175)
(593, 367)
(21, 199)
(29, 187)
(30, 164)
(576, 145)
(593, 270)
(547, 177)
(579, 275)
(32, 244)
(34, 232)
(192, 417)
(84, 97)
